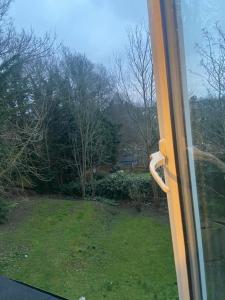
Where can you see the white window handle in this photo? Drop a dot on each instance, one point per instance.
(158, 160)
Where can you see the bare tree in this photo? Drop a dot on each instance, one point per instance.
(21, 129)
(136, 86)
(88, 91)
(212, 54)
(21, 143)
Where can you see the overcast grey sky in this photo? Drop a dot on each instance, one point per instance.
(94, 27)
(98, 27)
(196, 15)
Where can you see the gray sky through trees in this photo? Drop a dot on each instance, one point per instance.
(98, 28)
(94, 27)
(196, 16)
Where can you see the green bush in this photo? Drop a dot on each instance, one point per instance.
(72, 188)
(4, 210)
(118, 186)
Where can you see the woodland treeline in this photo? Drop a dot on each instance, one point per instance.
(66, 119)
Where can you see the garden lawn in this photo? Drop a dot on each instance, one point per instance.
(84, 248)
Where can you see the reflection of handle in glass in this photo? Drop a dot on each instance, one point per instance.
(158, 160)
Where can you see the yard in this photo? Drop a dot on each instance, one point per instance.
(86, 248)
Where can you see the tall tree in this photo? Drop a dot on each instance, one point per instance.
(89, 91)
(136, 86)
(21, 126)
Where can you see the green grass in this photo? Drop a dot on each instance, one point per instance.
(75, 248)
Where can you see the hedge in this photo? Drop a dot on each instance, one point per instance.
(119, 186)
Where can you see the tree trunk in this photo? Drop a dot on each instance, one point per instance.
(83, 187)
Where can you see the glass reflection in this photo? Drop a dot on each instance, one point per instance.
(204, 40)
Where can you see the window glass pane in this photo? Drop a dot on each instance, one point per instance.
(82, 217)
(204, 40)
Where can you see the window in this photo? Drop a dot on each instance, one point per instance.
(188, 50)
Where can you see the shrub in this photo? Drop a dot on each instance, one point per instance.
(119, 186)
(72, 188)
(138, 195)
(4, 210)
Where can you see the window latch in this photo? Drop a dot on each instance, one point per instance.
(158, 160)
